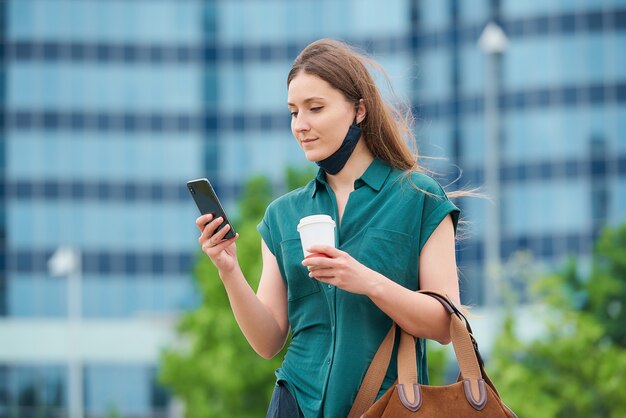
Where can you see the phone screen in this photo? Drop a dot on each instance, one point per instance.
(207, 202)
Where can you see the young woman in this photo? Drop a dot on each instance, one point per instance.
(395, 235)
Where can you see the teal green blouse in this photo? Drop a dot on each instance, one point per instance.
(388, 218)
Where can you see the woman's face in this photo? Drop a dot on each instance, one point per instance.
(320, 115)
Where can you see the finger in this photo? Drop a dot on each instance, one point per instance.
(322, 261)
(210, 228)
(317, 255)
(203, 220)
(224, 244)
(316, 267)
(327, 250)
(319, 275)
(219, 235)
(314, 255)
(212, 246)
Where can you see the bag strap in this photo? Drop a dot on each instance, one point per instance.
(465, 347)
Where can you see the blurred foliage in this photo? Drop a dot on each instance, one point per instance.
(577, 368)
(606, 290)
(113, 413)
(217, 373)
(438, 363)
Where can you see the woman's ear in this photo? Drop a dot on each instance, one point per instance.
(361, 111)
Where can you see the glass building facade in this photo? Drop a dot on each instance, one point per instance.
(561, 103)
(105, 106)
(110, 106)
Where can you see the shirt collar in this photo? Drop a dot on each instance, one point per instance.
(320, 181)
(374, 177)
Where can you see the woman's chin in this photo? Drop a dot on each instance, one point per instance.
(313, 156)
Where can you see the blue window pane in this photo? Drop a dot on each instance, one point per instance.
(473, 74)
(617, 202)
(37, 296)
(245, 155)
(532, 135)
(32, 390)
(476, 11)
(89, 157)
(435, 75)
(391, 17)
(253, 88)
(434, 14)
(473, 128)
(124, 389)
(617, 61)
(519, 64)
(163, 21)
(596, 56)
(244, 21)
(93, 225)
(526, 208)
(516, 9)
(434, 141)
(95, 87)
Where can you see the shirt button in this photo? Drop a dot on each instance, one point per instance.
(328, 361)
(330, 286)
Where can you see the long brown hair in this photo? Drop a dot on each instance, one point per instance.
(387, 129)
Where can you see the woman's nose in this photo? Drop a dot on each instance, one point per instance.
(300, 124)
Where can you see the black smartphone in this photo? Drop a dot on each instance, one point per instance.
(207, 202)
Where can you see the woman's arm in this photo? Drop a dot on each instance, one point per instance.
(420, 315)
(262, 317)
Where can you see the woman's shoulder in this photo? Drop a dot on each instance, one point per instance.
(422, 183)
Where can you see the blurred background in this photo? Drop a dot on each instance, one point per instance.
(110, 106)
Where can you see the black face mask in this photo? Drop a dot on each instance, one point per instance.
(335, 162)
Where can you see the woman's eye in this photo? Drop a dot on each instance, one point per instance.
(294, 114)
(316, 109)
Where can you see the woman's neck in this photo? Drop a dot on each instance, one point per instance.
(356, 165)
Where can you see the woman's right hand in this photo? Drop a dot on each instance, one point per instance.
(223, 253)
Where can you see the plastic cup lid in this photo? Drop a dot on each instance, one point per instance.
(315, 219)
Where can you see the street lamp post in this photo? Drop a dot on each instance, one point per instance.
(493, 43)
(66, 262)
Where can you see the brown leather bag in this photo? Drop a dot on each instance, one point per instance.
(473, 395)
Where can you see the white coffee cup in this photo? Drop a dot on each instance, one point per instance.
(316, 229)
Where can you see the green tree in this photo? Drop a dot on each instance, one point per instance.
(576, 368)
(216, 373)
(605, 291)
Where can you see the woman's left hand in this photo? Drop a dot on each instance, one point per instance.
(338, 268)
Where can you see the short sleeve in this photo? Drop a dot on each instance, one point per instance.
(436, 207)
(279, 221)
(266, 231)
